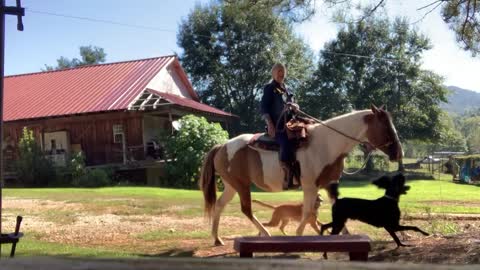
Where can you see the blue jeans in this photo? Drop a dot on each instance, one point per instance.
(287, 151)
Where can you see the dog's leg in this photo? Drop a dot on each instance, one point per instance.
(283, 225)
(325, 227)
(338, 226)
(410, 228)
(394, 236)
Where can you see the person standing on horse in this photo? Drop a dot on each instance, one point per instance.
(277, 108)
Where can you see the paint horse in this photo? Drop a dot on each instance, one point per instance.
(321, 162)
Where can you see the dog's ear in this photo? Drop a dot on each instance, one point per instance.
(382, 182)
(405, 189)
(333, 192)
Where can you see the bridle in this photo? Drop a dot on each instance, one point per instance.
(389, 142)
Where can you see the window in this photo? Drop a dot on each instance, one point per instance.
(118, 133)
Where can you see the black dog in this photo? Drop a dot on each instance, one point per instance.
(382, 212)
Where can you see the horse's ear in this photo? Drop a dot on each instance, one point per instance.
(382, 107)
(374, 109)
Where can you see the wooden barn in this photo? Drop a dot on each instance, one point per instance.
(113, 113)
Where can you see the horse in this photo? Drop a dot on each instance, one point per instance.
(321, 162)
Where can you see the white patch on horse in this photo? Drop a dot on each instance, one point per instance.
(332, 143)
(272, 172)
(235, 144)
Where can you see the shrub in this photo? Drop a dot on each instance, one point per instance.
(380, 163)
(185, 150)
(92, 178)
(376, 162)
(84, 177)
(33, 167)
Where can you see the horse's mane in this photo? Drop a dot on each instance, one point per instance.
(347, 115)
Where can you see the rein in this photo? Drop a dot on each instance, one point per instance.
(343, 134)
(361, 168)
(351, 138)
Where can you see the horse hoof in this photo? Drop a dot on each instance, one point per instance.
(267, 234)
(219, 242)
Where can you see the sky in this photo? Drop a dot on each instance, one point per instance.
(47, 37)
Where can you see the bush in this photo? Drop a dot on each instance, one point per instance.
(92, 178)
(376, 163)
(185, 150)
(33, 167)
(380, 163)
(83, 177)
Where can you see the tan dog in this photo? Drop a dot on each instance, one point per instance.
(285, 212)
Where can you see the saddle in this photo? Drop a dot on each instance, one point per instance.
(264, 142)
(297, 128)
(296, 131)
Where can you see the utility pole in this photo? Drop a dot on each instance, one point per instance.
(19, 12)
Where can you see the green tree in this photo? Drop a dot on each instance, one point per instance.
(378, 61)
(89, 56)
(451, 137)
(186, 148)
(342, 81)
(229, 53)
(292, 10)
(462, 16)
(470, 127)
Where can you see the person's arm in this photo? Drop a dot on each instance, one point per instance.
(266, 107)
(291, 102)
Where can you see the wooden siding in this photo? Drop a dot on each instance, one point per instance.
(94, 133)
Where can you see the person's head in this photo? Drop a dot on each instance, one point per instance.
(279, 72)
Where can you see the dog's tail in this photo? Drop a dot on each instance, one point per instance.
(333, 191)
(264, 204)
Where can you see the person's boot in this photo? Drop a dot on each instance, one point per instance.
(288, 181)
(296, 173)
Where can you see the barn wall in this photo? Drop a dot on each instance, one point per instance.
(93, 134)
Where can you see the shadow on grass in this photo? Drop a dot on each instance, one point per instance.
(189, 253)
(176, 252)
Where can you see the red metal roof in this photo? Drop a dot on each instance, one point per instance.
(95, 88)
(189, 103)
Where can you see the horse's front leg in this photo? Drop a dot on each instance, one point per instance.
(246, 205)
(308, 210)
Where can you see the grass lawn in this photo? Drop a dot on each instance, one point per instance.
(141, 221)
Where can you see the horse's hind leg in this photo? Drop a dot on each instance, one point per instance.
(246, 204)
(225, 198)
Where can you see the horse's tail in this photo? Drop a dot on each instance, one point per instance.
(207, 181)
(264, 204)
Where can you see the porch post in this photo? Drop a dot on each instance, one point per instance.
(171, 121)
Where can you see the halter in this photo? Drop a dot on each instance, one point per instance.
(353, 139)
(391, 141)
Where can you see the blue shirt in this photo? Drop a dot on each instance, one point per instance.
(275, 96)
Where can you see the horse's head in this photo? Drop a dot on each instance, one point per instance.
(382, 134)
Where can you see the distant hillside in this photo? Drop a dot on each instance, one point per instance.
(461, 100)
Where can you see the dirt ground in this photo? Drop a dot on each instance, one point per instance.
(112, 231)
